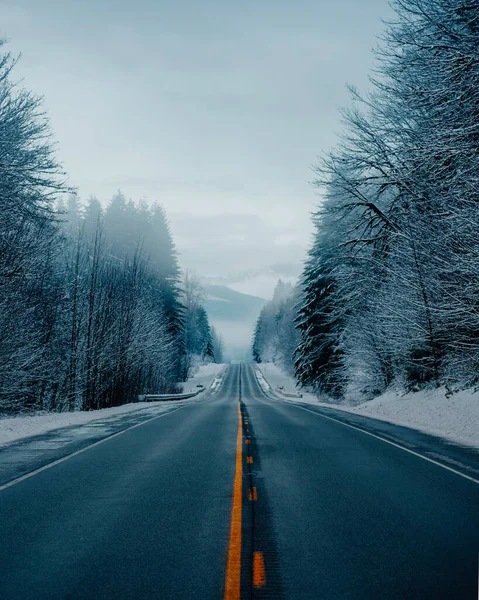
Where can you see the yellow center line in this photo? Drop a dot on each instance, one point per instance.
(233, 564)
(259, 575)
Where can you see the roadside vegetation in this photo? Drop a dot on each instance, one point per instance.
(93, 311)
(389, 292)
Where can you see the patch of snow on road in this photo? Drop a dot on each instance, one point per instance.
(215, 386)
(455, 418)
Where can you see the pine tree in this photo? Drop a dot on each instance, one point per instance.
(275, 336)
(319, 357)
(165, 261)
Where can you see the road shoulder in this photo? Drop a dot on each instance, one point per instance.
(455, 456)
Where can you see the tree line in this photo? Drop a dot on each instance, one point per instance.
(93, 310)
(275, 335)
(389, 291)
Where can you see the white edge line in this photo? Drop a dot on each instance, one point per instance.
(434, 462)
(68, 456)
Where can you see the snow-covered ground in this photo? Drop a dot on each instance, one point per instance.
(264, 385)
(282, 384)
(15, 428)
(203, 375)
(455, 417)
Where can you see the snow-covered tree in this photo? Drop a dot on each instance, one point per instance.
(275, 336)
(389, 287)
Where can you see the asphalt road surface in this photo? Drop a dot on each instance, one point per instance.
(242, 496)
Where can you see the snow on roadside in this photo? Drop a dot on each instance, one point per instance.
(15, 428)
(215, 386)
(204, 375)
(281, 383)
(262, 381)
(455, 418)
(22, 426)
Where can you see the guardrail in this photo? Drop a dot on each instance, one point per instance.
(166, 397)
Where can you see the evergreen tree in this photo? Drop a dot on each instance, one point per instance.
(275, 337)
(217, 346)
(93, 215)
(160, 247)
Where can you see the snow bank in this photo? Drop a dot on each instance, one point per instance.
(215, 386)
(281, 383)
(15, 428)
(262, 381)
(205, 375)
(455, 417)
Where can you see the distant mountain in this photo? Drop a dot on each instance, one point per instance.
(278, 271)
(258, 281)
(234, 315)
(224, 303)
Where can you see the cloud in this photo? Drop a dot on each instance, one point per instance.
(210, 108)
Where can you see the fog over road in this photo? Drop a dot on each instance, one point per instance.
(241, 496)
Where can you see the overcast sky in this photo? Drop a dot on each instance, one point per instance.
(213, 108)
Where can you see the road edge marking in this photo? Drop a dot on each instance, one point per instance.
(378, 437)
(77, 452)
(233, 563)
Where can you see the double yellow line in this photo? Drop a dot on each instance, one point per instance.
(233, 565)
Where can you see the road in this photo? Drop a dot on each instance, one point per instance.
(240, 496)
